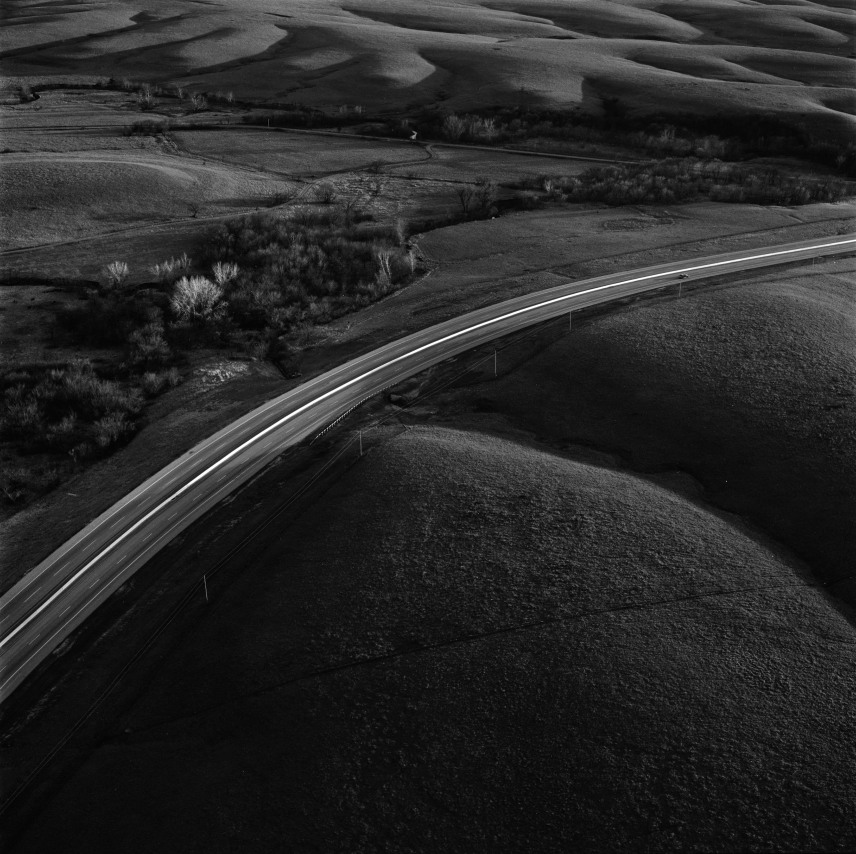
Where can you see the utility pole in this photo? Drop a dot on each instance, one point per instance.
(205, 584)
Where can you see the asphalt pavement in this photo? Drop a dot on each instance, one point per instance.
(56, 596)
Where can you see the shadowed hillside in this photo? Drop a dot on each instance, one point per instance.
(728, 57)
(473, 645)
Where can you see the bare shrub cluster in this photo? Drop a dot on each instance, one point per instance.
(146, 127)
(196, 299)
(67, 409)
(678, 180)
(725, 137)
(469, 128)
(277, 275)
(477, 199)
(170, 270)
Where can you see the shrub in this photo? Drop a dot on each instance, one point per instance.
(384, 272)
(325, 193)
(313, 266)
(146, 127)
(670, 181)
(146, 97)
(22, 417)
(154, 383)
(116, 273)
(197, 299)
(14, 481)
(224, 272)
(169, 271)
(466, 196)
(147, 347)
(17, 481)
(110, 429)
(164, 271)
(57, 410)
(454, 127)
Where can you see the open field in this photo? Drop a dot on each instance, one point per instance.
(602, 600)
(64, 196)
(731, 57)
(474, 644)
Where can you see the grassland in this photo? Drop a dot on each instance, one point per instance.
(475, 644)
(750, 389)
(597, 603)
(733, 58)
(473, 264)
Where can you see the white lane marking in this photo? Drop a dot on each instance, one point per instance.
(170, 473)
(164, 535)
(94, 583)
(34, 639)
(22, 666)
(32, 594)
(409, 354)
(121, 559)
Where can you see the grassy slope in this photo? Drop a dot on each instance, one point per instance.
(751, 388)
(473, 645)
(480, 263)
(744, 57)
(64, 196)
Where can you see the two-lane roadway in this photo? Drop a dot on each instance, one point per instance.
(55, 597)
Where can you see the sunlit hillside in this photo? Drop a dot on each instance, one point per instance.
(706, 56)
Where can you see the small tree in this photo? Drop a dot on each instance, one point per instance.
(466, 194)
(224, 273)
(485, 194)
(454, 127)
(384, 269)
(147, 347)
(164, 272)
(350, 209)
(198, 102)
(146, 97)
(116, 273)
(197, 299)
(325, 193)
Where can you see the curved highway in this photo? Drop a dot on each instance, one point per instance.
(56, 596)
